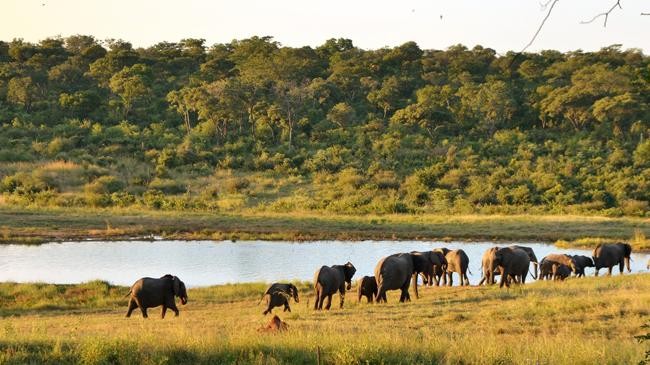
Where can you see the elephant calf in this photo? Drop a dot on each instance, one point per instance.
(582, 262)
(367, 287)
(150, 292)
(278, 294)
(552, 262)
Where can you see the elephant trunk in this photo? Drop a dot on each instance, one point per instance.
(183, 300)
(627, 263)
(536, 271)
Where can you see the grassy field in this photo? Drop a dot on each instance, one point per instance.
(580, 321)
(25, 225)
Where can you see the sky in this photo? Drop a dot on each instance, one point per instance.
(504, 25)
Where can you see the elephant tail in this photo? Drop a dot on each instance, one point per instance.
(470, 271)
(263, 295)
(129, 293)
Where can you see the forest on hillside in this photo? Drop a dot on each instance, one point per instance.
(252, 124)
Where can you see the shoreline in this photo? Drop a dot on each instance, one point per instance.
(37, 226)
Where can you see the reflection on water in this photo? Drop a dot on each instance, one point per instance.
(201, 263)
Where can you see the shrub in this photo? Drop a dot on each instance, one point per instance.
(154, 199)
(634, 207)
(167, 186)
(104, 185)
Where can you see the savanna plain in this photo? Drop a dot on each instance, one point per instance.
(578, 321)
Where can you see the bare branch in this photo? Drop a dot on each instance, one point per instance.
(645, 13)
(548, 14)
(605, 14)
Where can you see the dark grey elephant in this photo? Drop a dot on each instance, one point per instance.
(551, 263)
(395, 272)
(610, 255)
(367, 287)
(428, 263)
(512, 262)
(457, 262)
(563, 272)
(278, 294)
(151, 292)
(532, 257)
(330, 279)
(582, 262)
(488, 267)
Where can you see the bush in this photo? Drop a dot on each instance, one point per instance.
(104, 185)
(167, 186)
(634, 207)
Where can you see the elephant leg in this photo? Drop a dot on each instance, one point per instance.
(286, 307)
(504, 279)
(342, 295)
(162, 313)
(329, 302)
(621, 266)
(175, 309)
(132, 305)
(466, 278)
(318, 299)
(609, 271)
(523, 277)
(596, 271)
(144, 312)
(451, 279)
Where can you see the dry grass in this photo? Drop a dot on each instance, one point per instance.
(580, 321)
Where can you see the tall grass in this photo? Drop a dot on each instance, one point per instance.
(579, 321)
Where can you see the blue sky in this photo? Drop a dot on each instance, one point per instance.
(500, 24)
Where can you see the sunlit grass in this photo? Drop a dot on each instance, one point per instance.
(579, 321)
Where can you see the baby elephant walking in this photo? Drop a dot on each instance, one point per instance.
(278, 295)
(150, 292)
(367, 287)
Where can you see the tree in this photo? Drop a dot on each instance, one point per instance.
(132, 84)
(342, 115)
(21, 91)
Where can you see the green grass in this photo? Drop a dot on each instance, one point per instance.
(40, 225)
(580, 321)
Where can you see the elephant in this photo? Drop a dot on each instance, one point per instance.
(330, 279)
(367, 287)
(457, 261)
(278, 294)
(563, 272)
(582, 262)
(428, 263)
(151, 292)
(533, 259)
(394, 272)
(647, 266)
(488, 267)
(550, 264)
(609, 255)
(512, 262)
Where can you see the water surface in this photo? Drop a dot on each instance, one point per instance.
(201, 263)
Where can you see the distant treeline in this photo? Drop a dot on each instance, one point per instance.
(252, 123)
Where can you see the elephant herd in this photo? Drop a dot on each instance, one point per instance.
(398, 271)
(401, 270)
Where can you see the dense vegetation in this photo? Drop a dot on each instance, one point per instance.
(579, 321)
(253, 124)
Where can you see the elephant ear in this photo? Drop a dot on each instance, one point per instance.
(627, 248)
(176, 286)
(349, 271)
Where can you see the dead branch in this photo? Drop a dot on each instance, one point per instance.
(548, 14)
(605, 14)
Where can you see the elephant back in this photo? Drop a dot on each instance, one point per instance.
(394, 270)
